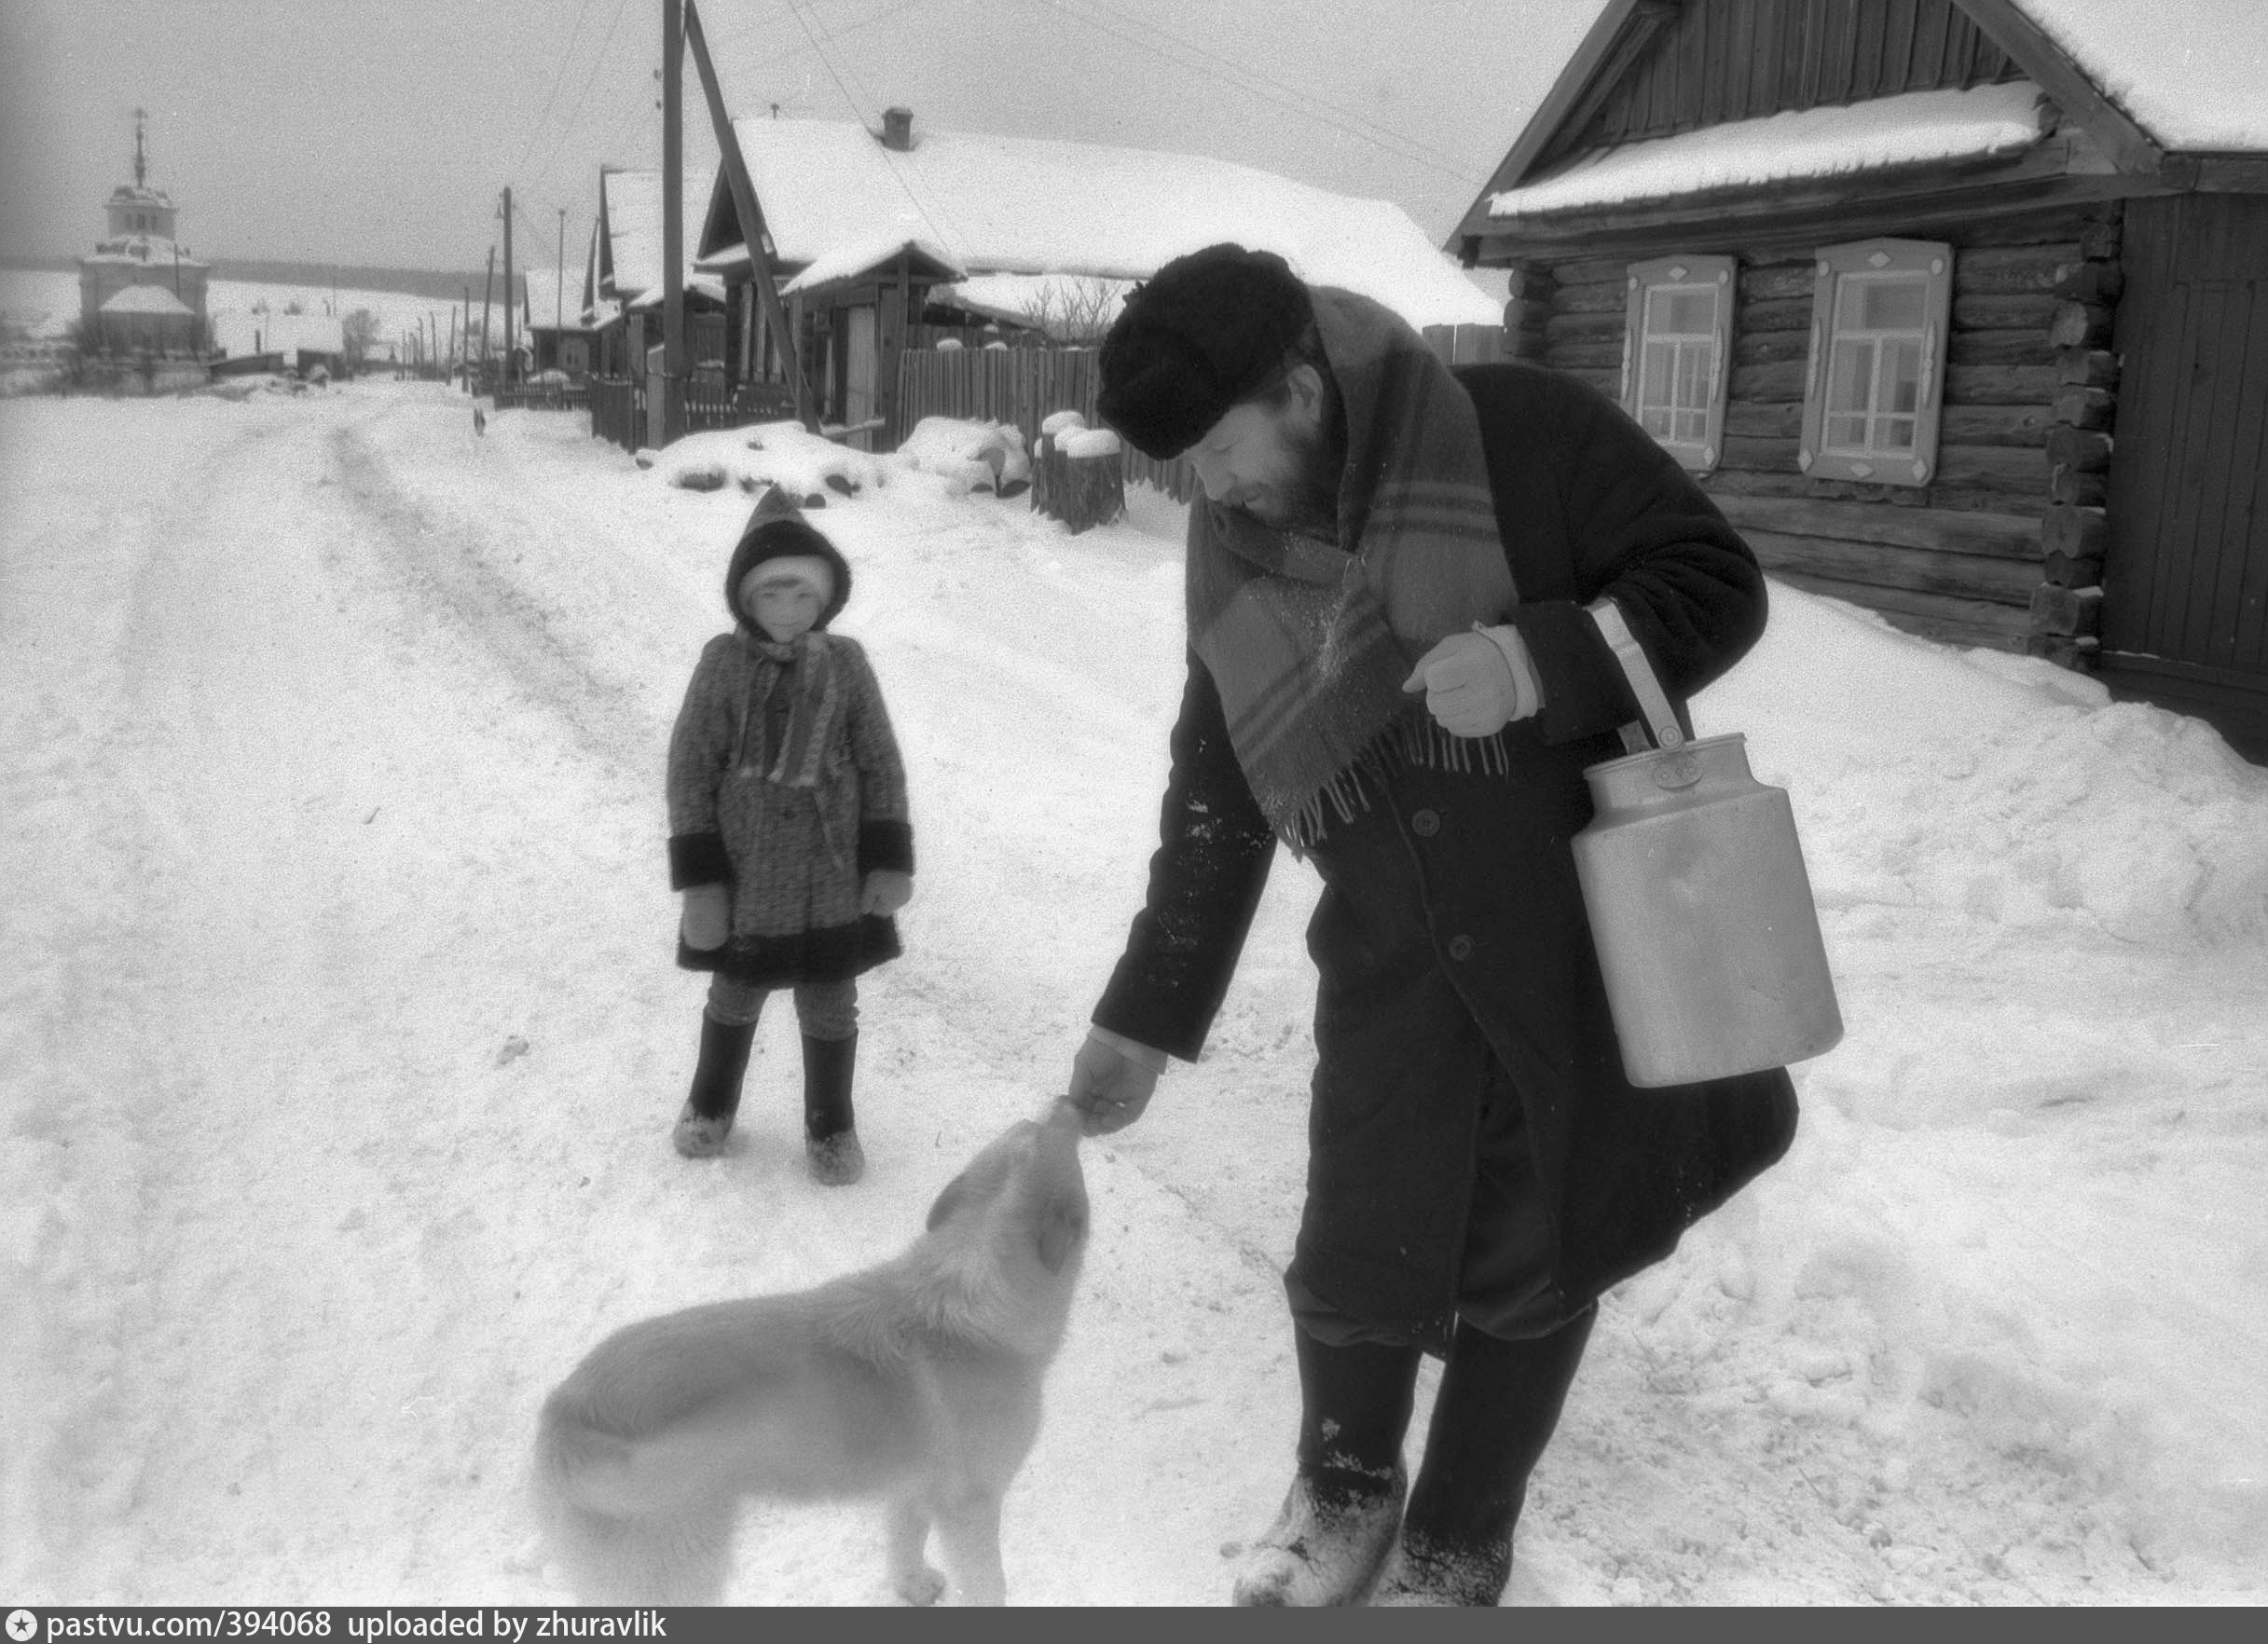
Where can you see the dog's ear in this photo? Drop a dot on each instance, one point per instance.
(1063, 1222)
(948, 1201)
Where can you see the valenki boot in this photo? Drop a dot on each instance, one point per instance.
(706, 1118)
(1498, 1404)
(1338, 1518)
(830, 1145)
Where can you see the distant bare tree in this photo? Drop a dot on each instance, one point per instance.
(1074, 311)
(359, 331)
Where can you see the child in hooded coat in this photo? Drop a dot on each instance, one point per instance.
(790, 835)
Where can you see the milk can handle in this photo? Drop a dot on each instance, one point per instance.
(1653, 701)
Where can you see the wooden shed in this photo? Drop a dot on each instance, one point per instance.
(1957, 307)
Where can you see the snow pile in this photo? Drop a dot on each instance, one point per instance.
(1799, 144)
(809, 467)
(2002, 791)
(969, 456)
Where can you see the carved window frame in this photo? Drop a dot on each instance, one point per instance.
(1649, 335)
(1848, 342)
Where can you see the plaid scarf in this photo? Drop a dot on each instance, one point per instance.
(804, 667)
(1308, 644)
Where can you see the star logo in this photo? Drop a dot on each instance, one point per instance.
(23, 1625)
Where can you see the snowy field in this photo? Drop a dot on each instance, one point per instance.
(45, 301)
(340, 1042)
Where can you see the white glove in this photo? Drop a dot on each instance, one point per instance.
(707, 919)
(1479, 682)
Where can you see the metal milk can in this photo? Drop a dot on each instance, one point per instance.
(1699, 901)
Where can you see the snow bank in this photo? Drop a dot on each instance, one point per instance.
(2002, 789)
(969, 456)
(810, 468)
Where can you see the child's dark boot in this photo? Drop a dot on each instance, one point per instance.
(707, 1120)
(830, 1145)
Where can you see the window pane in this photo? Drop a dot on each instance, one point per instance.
(1894, 434)
(1692, 312)
(1845, 431)
(1893, 305)
(1660, 360)
(1852, 380)
(1900, 377)
(1692, 376)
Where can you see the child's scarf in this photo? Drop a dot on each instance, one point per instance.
(804, 667)
(1309, 645)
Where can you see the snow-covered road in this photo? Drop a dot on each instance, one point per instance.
(338, 1042)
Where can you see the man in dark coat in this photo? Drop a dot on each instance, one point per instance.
(1391, 670)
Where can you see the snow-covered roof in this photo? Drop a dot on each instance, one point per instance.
(2193, 73)
(238, 332)
(632, 203)
(549, 303)
(140, 249)
(1035, 206)
(1812, 143)
(147, 299)
(1025, 297)
(846, 261)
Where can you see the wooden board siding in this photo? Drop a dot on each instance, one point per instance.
(1720, 60)
(2186, 572)
(1962, 558)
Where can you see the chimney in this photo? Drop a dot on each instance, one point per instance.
(898, 130)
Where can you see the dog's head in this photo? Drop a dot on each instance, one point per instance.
(1030, 1178)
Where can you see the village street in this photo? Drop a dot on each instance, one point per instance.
(340, 1043)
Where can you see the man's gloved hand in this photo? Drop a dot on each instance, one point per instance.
(884, 891)
(1108, 1087)
(707, 920)
(1476, 684)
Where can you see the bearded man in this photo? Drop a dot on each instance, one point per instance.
(1392, 671)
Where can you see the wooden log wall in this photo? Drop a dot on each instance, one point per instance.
(2003, 546)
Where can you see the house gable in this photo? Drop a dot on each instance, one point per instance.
(1711, 62)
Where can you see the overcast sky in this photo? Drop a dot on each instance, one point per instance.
(382, 132)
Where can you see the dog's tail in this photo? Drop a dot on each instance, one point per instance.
(622, 1531)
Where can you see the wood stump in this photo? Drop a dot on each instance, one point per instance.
(1078, 476)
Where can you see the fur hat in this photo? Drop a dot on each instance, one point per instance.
(1204, 332)
(775, 530)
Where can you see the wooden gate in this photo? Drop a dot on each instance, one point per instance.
(2185, 578)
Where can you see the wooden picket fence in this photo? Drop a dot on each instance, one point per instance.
(1019, 386)
(1025, 386)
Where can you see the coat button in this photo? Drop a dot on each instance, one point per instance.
(1461, 947)
(1426, 824)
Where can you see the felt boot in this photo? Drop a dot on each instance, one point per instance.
(707, 1118)
(1339, 1517)
(831, 1144)
(1498, 1404)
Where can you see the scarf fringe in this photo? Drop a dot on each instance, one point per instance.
(1413, 741)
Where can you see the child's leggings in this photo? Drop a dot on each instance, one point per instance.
(824, 1010)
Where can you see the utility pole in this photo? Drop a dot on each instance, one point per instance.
(510, 354)
(488, 291)
(673, 222)
(750, 212)
(559, 280)
(465, 347)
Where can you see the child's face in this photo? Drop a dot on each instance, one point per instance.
(784, 596)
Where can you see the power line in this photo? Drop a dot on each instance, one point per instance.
(557, 80)
(1291, 98)
(889, 159)
(589, 80)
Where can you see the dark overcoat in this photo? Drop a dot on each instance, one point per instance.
(1452, 951)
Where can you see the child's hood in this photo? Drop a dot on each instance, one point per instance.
(776, 529)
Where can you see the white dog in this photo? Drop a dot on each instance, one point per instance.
(915, 1382)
